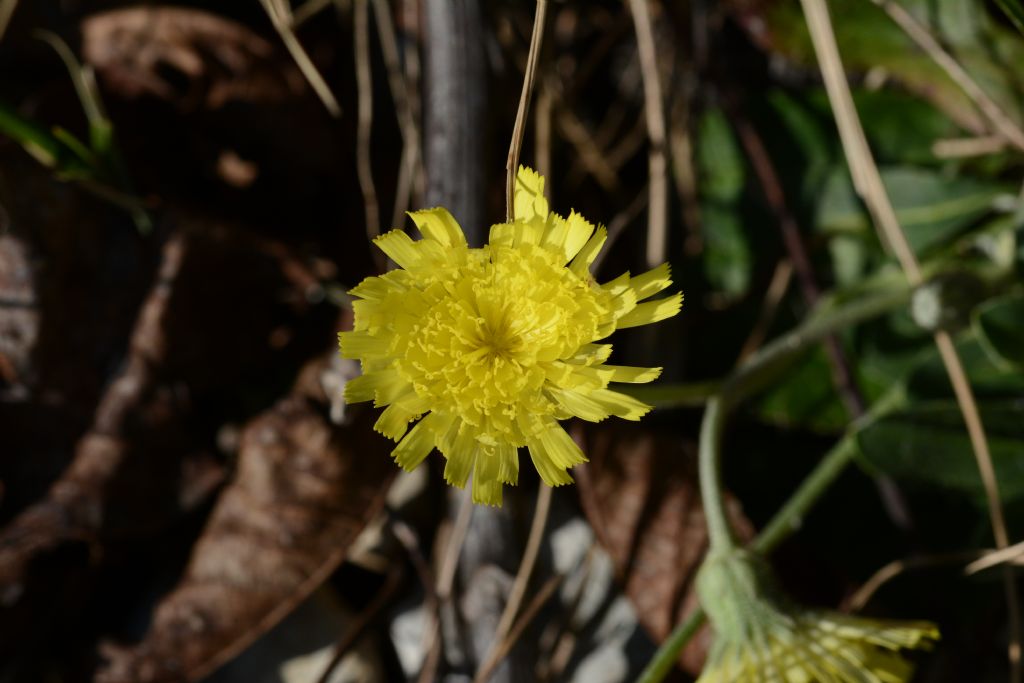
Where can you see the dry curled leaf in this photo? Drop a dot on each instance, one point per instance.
(303, 491)
(143, 464)
(640, 494)
(191, 57)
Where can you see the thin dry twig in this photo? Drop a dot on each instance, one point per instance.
(684, 172)
(924, 39)
(431, 643)
(7, 8)
(307, 11)
(1009, 554)
(512, 164)
(777, 288)
(364, 88)
(542, 133)
(411, 158)
(869, 185)
(617, 224)
(654, 114)
(890, 571)
(539, 600)
(526, 565)
(450, 562)
(839, 365)
(281, 17)
(365, 618)
(960, 148)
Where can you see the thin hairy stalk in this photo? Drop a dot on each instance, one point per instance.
(519, 130)
(780, 527)
(839, 365)
(744, 381)
(364, 125)
(868, 182)
(927, 42)
(752, 376)
(654, 114)
(281, 17)
(515, 597)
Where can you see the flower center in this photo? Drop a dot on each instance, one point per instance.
(491, 331)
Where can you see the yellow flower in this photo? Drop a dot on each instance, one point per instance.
(489, 348)
(762, 637)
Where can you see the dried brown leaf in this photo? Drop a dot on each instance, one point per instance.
(640, 494)
(303, 491)
(188, 56)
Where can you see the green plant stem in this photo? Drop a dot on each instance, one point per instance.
(747, 380)
(752, 376)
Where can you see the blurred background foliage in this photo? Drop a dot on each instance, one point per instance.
(198, 126)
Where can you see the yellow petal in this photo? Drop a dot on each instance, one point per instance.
(620, 405)
(359, 344)
(529, 195)
(366, 386)
(461, 457)
(652, 311)
(623, 373)
(651, 282)
(374, 288)
(581, 262)
(417, 444)
(508, 459)
(579, 404)
(439, 225)
(486, 484)
(400, 248)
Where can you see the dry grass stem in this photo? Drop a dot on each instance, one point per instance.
(777, 288)
(1009, 554)
(869, 185)
(542, 134)
(522, 580)
(411, 158)
(924, 39)
(281, 17)
(364, 123)
(961, 148)
(862, 597)
(505, 646)
(654, 113)
(7, 8)
(519, 129)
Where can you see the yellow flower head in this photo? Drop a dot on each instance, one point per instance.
(489, 348)
(762, 637)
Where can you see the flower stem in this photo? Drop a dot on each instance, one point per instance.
(757, 372)
(747, 379)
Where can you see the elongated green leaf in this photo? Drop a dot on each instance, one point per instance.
(929, 444)
(1000, 327)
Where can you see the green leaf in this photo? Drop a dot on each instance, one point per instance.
(931, 207)
(728, 258)
(1015, 10)
(869, 40)
(719, 159)
(805, 397)
(1000, 327)
(928, 444)
(990, 380)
